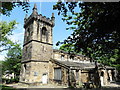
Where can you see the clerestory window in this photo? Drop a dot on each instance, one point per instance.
(62, 57)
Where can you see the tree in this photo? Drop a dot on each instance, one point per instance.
(7, 7)
(67, 48)
(1, 69)
(5, 31)
(12, 61)
(95, 30)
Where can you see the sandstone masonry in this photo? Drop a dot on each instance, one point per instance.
(41, 64)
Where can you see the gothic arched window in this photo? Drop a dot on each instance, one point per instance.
(44, 30)
(44, 35)
(28, 34)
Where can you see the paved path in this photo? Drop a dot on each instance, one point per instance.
(19, 85)
(113, 84)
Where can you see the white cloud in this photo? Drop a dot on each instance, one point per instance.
(17, 37)
(2, 57)
(18, 34)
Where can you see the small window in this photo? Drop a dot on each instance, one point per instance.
(71, 57)
(28, 35)
(26, 49)
(77, 74)
(62, 57)
(28, 31)
(35, 73)
(102, 73)
(43, 48)
(57, 74)
(25, 66)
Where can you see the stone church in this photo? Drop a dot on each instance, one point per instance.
(41, 64)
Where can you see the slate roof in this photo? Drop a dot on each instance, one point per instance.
(78, 65)
(74, 65)
(61, 51)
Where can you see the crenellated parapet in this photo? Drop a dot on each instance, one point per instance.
(39, 17)
(46, 20)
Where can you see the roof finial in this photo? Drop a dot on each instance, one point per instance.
(26, 16)
(35, 6)
(53, 18)
(35, 9)
(52, 14)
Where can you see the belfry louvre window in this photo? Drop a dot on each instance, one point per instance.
(44, 34)
(44, 31)
(57, 74)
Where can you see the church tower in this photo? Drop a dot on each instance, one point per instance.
(37, 48)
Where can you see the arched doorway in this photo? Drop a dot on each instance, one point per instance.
(44, 78)
(102, 78)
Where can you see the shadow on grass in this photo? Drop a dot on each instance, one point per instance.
(3, 87)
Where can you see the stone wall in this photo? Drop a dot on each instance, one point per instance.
(61, 55)
(27, 52)
(64, 80)
(34, 71)
(37, 51)
(37, 32)
(41, 52)
(71, 77)
(84, 76)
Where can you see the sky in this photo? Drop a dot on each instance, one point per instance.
(46, 9)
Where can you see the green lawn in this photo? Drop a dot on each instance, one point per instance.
(6, 87)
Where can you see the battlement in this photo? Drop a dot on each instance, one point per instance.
(39, 17)
(45, 19)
